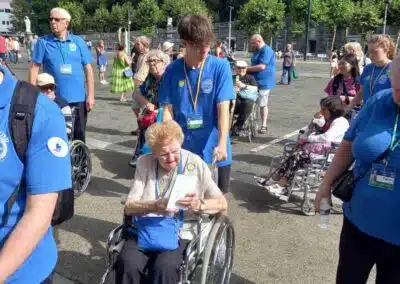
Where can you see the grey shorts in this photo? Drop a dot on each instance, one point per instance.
(263, 97)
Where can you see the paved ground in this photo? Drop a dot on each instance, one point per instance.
(275, 243)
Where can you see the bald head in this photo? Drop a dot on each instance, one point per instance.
(256, 42)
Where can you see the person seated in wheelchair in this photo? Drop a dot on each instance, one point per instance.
(156, 259)
(327, 127)
(247, 93)
(147, 97)
(47, 86)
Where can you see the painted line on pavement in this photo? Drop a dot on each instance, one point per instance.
(108, 146)
(277, 140)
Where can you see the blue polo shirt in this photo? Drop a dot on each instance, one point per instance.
(265, 78)
(48, 169)
(216, 86)
(376, 76)
(372, 210)
(54, 54)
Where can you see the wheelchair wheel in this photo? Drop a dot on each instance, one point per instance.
(218, 254)
(81, 166)
(307, 207)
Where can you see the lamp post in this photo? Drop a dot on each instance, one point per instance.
(387, 2)
(230, 29)
(129, 30)
(307, 28)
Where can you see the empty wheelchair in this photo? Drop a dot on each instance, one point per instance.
(208, 256)
(306, 173)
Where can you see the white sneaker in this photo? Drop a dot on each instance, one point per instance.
(105, 82)
(275, 189)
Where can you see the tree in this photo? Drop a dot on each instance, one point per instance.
(366, 19)
(393, 18)
(21, 8)
(265, 17)
(101, 20)
(147, 16)
(177, 9)
(78, 15)
(42, 11)
(117, 17)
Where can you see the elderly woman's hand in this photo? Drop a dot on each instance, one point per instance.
(190, 202)
(161, 207)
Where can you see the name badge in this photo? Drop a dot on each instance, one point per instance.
(66, 69)
(195, 123)
(382, 177)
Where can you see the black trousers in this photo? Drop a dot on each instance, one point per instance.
(135, 266)
(358, 252)
(79, 120)
(243, 108)
(224, 178)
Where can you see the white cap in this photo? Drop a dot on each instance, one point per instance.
(45, 79)
(167, 45)
(241, 64)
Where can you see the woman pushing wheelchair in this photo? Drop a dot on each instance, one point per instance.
(153, 250)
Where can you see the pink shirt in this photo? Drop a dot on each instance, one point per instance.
(352, 88)
(3, 48)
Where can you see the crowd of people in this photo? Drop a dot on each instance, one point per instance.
(181, 102)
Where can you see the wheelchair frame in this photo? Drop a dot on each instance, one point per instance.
(251, 125)
(199, 252)
(81, 166)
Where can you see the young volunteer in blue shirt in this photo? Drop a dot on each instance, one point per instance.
(371, 231)
(375, 76)
(28, 252)
(196, 92)
(263, 69)
(67, 58)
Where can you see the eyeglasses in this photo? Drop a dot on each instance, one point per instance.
(48, 87)
(57, 20)
(155, 61)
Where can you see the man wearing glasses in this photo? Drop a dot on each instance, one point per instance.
(196, 92)
(67, 58)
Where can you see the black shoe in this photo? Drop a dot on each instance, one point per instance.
(133, 162)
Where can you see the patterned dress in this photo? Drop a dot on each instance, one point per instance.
(120, 83)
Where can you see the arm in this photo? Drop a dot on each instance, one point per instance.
(140, 207)
(223, 127)
(168, 112)
(256, 68)
(90, 86)
(127, 60)
(33, 73)
(357, 99)
(338, 127)
(28, 233)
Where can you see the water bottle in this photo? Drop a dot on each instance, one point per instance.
(324, 212)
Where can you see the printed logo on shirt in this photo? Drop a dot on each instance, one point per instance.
(3, 146)
(383, 79)
(72, 47)
(207, 86)
(368, 78)
(181, 83)
(58, 147)
(191, 167)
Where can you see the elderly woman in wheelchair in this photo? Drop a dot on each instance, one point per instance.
(326, 129)
(167, 182)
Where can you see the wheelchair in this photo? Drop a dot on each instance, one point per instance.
(81, 166)
(251, 125)
(309, 171)
(208, 256)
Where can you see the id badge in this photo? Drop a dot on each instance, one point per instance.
(66, 69)
(382, 177)
(195, 123)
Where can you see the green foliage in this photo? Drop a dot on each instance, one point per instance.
(299, 11)
(78, 15)
(340, 13)
(393, 16)
(366, 19)
(117, 17)
(147, 16)
(262, 16)
(101, 19)
(21, 8)
(42, 10)
(176, 9)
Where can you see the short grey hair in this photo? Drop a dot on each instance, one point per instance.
(63, 12)
(157, 53)
(143, 40)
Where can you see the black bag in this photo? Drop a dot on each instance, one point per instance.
(343, 186)
(22, 112)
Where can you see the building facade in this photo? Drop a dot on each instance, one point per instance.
(5, 16)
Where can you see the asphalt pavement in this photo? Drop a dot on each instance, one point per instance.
(275, 243)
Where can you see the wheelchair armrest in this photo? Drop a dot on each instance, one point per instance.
(111, 236)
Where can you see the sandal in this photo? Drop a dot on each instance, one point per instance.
(263, 130)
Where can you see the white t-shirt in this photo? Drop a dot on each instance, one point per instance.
(334, 134)
(16, 45)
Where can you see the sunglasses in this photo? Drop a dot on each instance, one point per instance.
(241, 68)
(48, 87)
(57, 20)
(149, 61)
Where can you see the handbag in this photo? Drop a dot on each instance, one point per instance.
(148, 119)
(128, 72)
(294, 73)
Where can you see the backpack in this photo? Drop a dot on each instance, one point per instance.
(22, 112)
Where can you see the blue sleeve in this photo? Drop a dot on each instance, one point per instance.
(165, 92)
(364, 74)
(143, 88)
(39, 51)
(86, 56)
(224, 88)
(48, 165)
(266, 56)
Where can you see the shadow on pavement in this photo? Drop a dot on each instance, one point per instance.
(106, 187)
(253, 159)
(91, 128)
(107, 99)
(116, 163)
(80, 267)
(236, 279)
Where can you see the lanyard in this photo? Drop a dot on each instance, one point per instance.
(395, 142)
(372, 84)
(180, 171)
(194, 100)
(61, 47)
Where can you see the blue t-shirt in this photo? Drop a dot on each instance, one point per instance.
(57, 56)
(375, 211)
(48, 169)
(101, 58)
(216, 86)
(376, 76)
(265, 78)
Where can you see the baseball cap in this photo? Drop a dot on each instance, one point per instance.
(395, 73)
(45, 79)
(167, 45)
(241, 64)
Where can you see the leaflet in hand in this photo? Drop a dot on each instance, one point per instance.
(183, 185)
